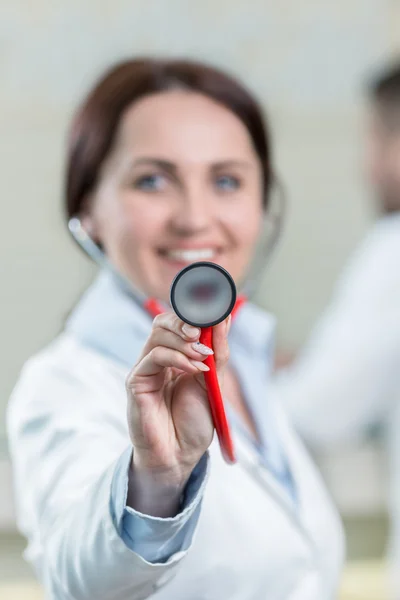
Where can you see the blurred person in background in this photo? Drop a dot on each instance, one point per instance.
(347, 377)
(120, 489)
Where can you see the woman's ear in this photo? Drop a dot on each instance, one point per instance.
(88, 224)
(88, 220)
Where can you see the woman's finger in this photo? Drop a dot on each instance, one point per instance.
(169, 339)
(173, 323)
(161, 358)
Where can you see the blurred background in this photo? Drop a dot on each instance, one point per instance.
(307, 60)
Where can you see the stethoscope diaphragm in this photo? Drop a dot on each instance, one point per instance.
(203, 294)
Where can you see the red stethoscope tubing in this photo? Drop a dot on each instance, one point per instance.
(215, 400)
(211, 380)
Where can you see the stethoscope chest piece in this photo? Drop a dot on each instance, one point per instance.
(203, 294)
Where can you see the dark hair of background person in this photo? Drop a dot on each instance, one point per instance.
(95, 124)
(385, 86)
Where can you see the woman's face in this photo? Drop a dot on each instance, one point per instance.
(181, 184)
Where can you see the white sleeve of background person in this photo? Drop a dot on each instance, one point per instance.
(65, 450)
(347, 375)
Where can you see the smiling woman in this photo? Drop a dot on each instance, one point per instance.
(111, 435)
(167, 189)
(172, 200)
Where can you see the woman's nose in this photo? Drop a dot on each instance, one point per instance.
(194, 213)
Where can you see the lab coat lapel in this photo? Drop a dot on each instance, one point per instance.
(314, 503)
(109, 320)
(306, 511)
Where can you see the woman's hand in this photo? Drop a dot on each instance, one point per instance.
(169, 418)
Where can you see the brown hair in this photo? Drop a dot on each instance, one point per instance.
(95, 123)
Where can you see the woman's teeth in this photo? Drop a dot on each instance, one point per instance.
(191, 255)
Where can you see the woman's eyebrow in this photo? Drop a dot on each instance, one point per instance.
(231, 163)
(172, 168)
(155, 162)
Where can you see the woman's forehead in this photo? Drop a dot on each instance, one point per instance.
(184, 124)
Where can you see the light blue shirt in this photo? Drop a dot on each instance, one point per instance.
(109, 320)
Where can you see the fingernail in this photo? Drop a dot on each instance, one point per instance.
(201, 366)
(228, 324)
(190, 331)
(202, 349)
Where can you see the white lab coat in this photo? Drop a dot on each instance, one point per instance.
(67, 429)
(347, 377)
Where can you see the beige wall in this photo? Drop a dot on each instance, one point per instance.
(305, 58)
(394, 27)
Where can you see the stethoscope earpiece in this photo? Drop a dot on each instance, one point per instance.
(84, 240)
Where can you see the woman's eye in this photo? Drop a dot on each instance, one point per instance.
(227, 183)
(150, 183)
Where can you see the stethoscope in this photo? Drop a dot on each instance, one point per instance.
(202, 294)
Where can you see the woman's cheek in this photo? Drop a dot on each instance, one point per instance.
(246, 228)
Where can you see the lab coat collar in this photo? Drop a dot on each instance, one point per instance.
(110, 319)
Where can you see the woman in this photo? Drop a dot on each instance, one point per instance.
(121, 490)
